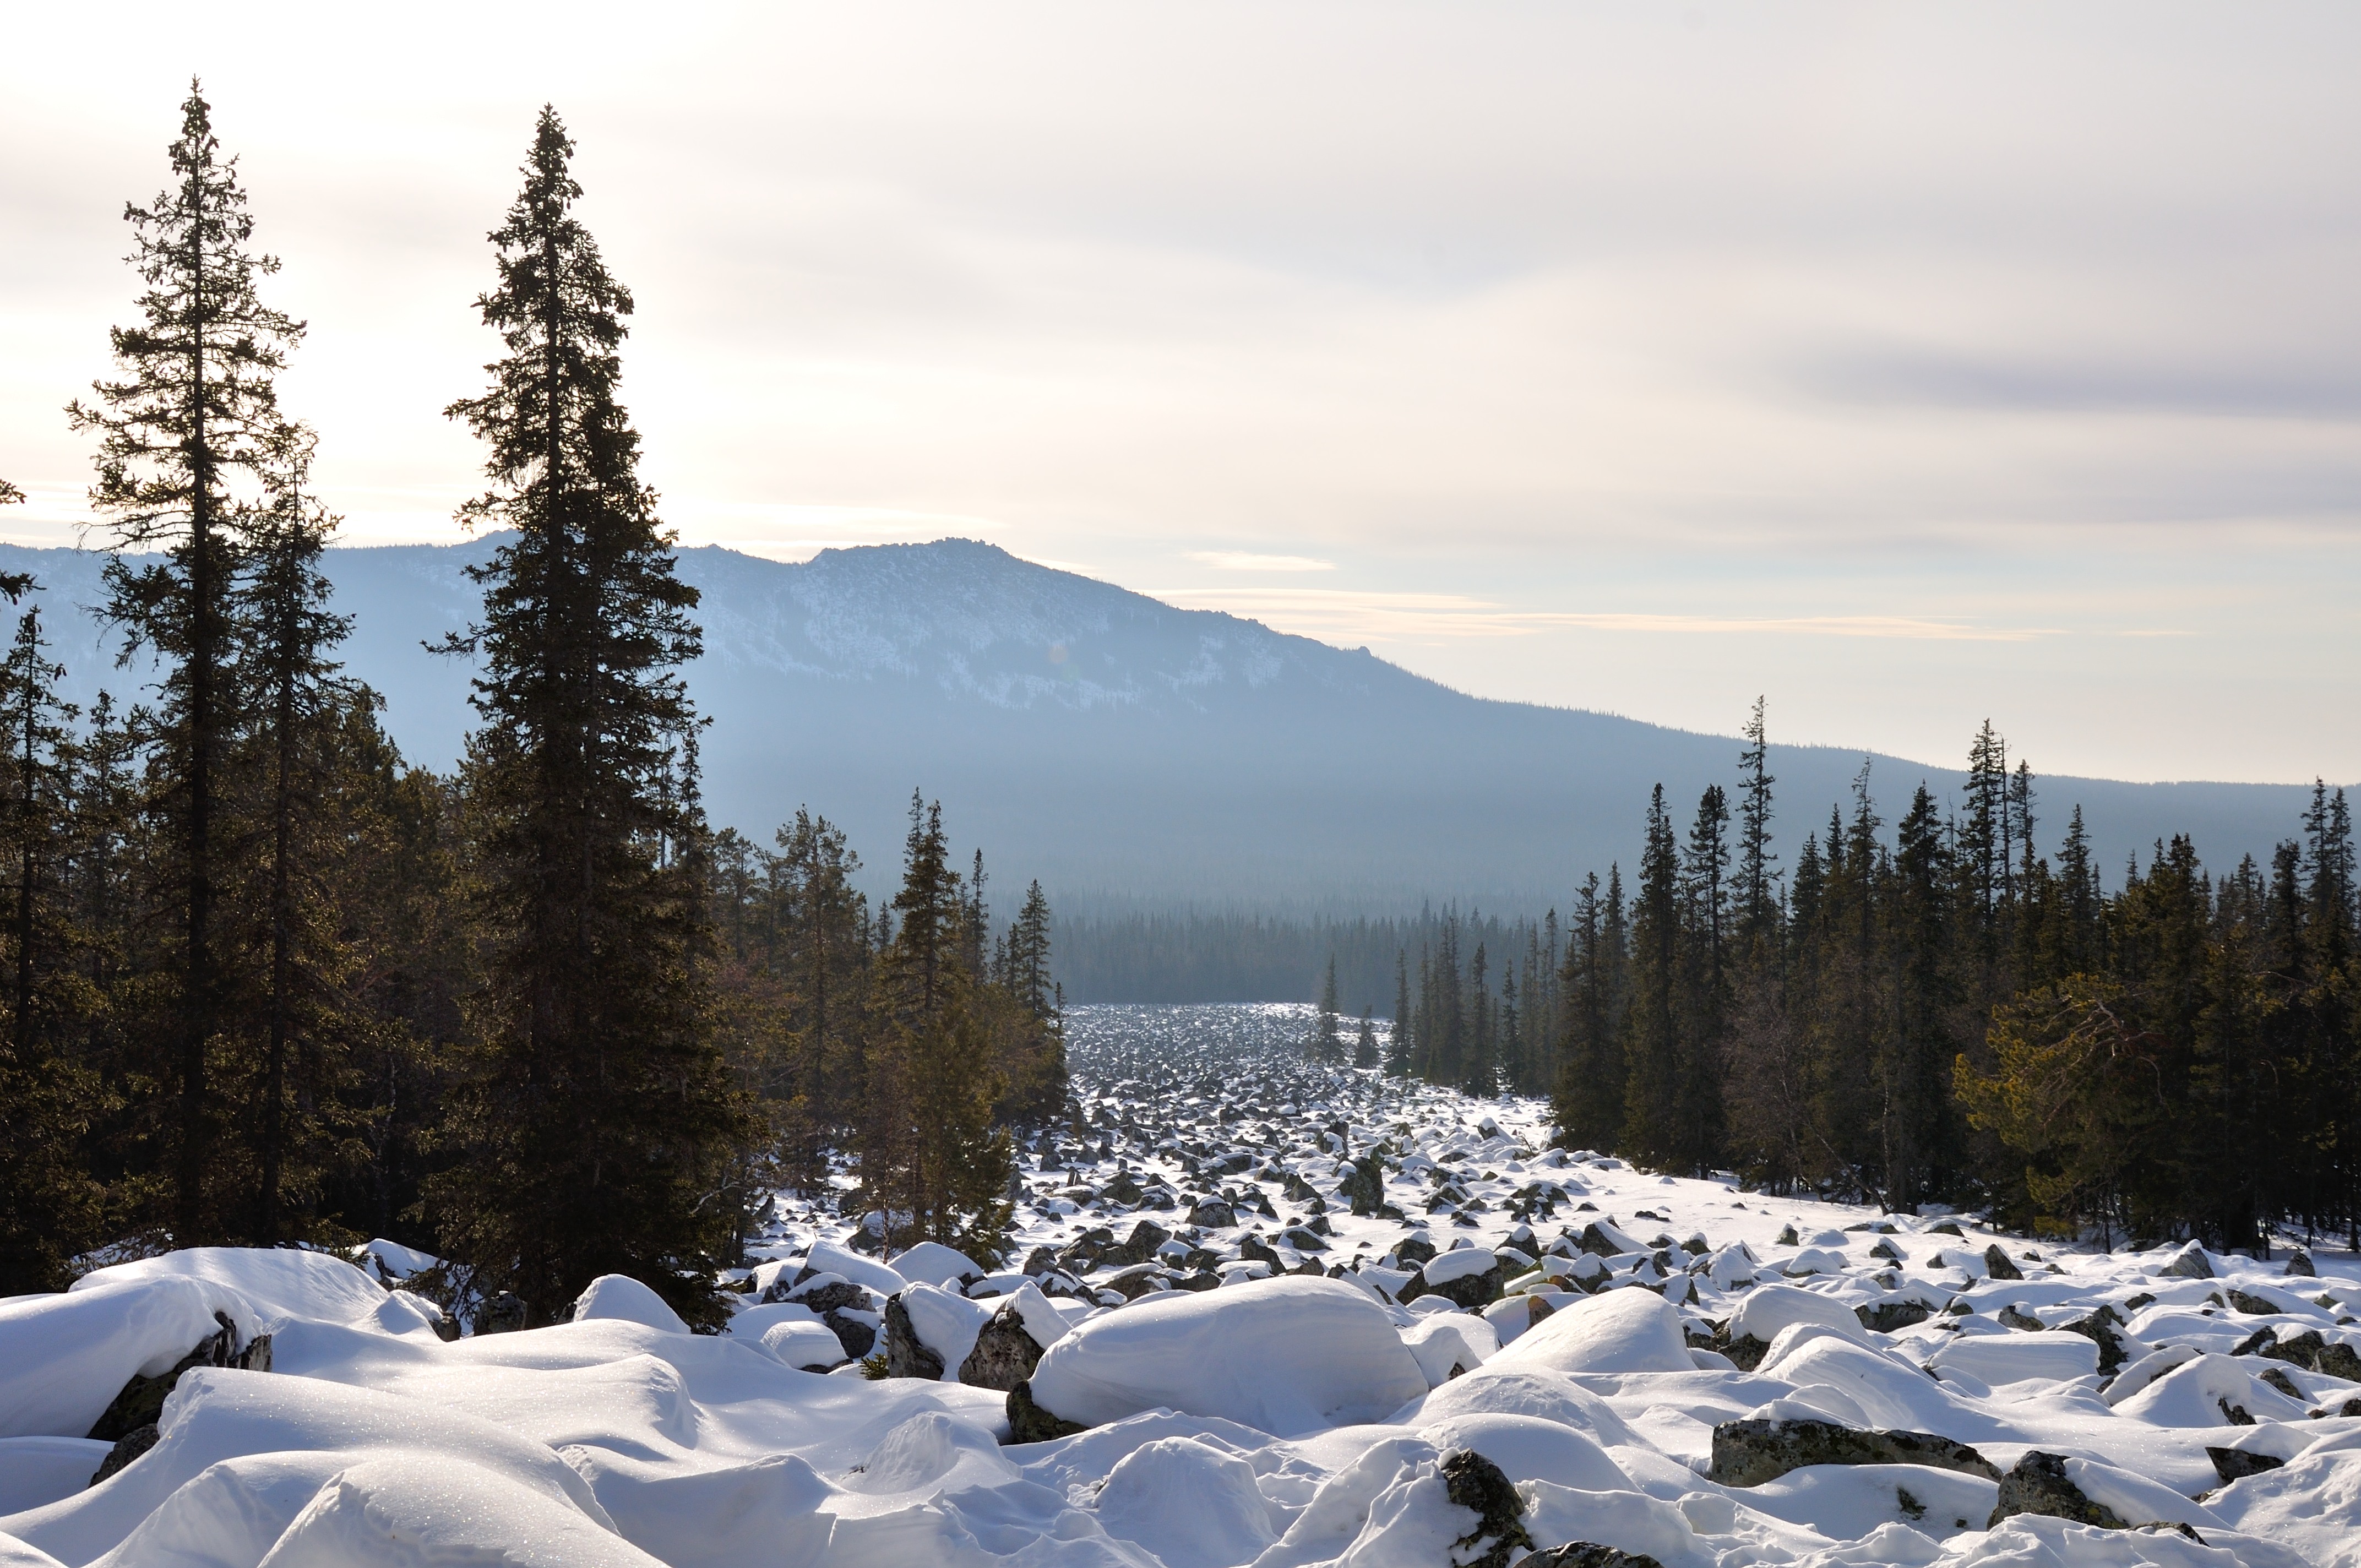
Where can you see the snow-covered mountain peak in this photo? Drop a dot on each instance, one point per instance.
(979, 623)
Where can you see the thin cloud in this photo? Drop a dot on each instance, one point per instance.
(1340, 611)
(1245, 561)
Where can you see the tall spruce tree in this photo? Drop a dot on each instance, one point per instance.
(287, 757)
(929, 1157)
(192, 426)
(598, 1118)
(1652, 1101)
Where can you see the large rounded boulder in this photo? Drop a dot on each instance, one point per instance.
(1284, 1356)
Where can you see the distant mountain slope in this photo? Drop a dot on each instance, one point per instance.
(1124, 750)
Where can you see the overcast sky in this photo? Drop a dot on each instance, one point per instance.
(1909, 365)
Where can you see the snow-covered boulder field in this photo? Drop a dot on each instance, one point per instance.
(1257, 1313)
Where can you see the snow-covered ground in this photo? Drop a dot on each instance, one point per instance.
(1297, 1385)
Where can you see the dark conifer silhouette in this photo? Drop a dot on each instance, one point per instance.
(192, 426)
(598, 1120)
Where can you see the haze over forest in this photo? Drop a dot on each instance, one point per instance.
(1140, 758)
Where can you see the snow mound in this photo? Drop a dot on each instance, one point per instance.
(1281, 1356)
(1628, 1330)
(1195, 1506)
(620, 1297)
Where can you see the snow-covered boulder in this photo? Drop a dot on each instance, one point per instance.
(1616, 1330)
(2210, 1391)
(277, 1283)
(1450, 1344)
(66, 1356)
(620, 1297)
(825, 1258)
(1768, 1308)
(931, 1263)
(1527, 1448)
(2052, 1355)
(1283, 1355)
(809, 1346)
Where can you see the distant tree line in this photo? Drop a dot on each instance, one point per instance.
(1938, 1012)
(262, 980)
(1201, 955)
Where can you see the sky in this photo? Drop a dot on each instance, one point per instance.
(1905, 365)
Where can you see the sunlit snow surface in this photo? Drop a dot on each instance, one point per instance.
(1277, 1422)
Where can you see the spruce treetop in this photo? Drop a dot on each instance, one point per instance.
(196, 404)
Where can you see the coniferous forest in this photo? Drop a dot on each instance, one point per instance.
(1936, 1010)
(269, 983)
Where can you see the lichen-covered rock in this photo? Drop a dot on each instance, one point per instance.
(1213, 1214)
(1028, 1422)
(1998, 1264)
(1140, 1246)
(2189, 1263)
(1364, 1184)
(2309, 1350)
(2298, 1264)
(1883, 1317)
(2039, 1485)
(1475, 1481)
(2114, 1347)
(1005, 1353)
(1589, 1554)
(905, 1354)
(2235, 1463)
(858, 1337)
(1748, 1452)
(128, 1447)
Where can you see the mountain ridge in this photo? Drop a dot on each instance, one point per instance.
(1130, 751)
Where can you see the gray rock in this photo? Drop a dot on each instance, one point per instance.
(857, 1337)
(2114, 1347)
(1364, 1184)
(1885, 1316)
(832, 1296)
(1589, 1554)
(1028, 1422)
(1137, 1281)
(1745, 1353)
(2009, 1317)
(2039, 1485)
(2308, 1350)
(1474, 1482)
(1998, 1264)
(128, 1447)
(906, 1356)
(1140, 1246)
(1469, 1291)
(1213, 1214)
(1748, 1452)
(1005, 1353)
(2298, 1264)
(1415, 1250)
(2237, 1463)
(140, 1401)
(2189, 1263)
